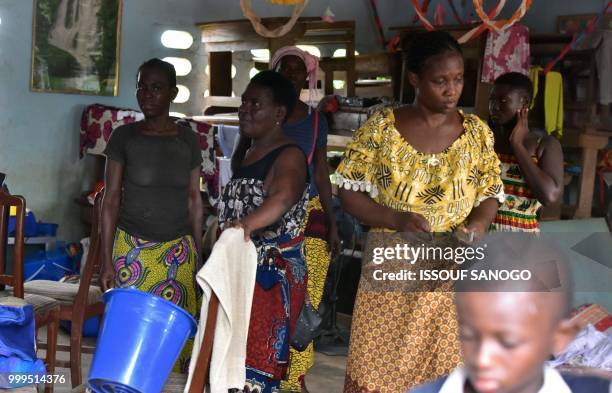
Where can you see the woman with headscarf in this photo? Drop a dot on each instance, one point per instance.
(308, 128)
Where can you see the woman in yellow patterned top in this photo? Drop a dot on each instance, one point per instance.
(421, 168)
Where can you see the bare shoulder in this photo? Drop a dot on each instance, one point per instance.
(548, 143)
(403, 113)
(292, 156)
(291, 163)
(549, 140)
(404, 110)
(404, 118)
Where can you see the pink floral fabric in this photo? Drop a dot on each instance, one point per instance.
(506, 51)
(98, 122)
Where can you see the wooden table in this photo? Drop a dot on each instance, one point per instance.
(590, 140)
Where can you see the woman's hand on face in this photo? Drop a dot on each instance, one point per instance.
(107, 276)
(521, 129)
(243, 226)
(410, 222)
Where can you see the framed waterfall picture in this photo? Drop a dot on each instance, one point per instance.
(75, 46)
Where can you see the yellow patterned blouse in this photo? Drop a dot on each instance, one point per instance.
(443, 187)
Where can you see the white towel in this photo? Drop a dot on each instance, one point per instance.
(230, 274)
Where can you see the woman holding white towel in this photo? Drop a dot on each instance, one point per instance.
(267, 197)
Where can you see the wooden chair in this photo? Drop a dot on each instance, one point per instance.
(46, 310)
(200, 374)
(77, 302)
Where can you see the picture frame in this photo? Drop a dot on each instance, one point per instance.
(76, 46)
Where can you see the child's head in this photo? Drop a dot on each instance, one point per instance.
(508, 329)
(511, 92)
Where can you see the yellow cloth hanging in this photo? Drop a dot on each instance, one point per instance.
(534, 75)
(553, 99)
(553, 103)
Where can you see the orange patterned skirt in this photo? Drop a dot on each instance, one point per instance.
(400, 338)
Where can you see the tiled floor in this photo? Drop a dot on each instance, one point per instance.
(327, 375)
(64, 338)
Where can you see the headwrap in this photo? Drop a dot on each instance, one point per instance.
(311, 62)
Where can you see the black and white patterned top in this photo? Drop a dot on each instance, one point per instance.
(245, 193)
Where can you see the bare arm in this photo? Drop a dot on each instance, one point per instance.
(545, 179)
(286, 183)
(113, 179)
(196, 211)
(482, 216)
(325, 194)
(366, 210)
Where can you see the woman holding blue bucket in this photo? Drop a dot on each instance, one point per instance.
(267, 197)
(152, 209)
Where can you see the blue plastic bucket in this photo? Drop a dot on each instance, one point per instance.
(140, 340)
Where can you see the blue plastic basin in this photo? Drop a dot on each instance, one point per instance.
(140, 340)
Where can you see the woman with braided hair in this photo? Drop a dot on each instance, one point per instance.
(417, 169)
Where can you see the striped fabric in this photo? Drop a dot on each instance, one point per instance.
(64, 293)
(519, 212)
(40, 304)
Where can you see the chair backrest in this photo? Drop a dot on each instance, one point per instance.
(202, 367)
(92, 263)
(15, 279)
